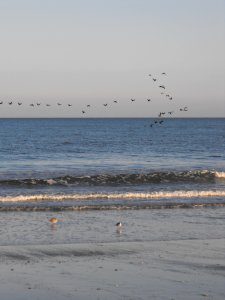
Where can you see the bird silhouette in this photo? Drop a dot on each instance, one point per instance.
(184, 109)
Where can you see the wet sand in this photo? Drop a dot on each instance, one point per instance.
(181, 269)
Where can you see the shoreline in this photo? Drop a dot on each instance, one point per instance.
(176, 269)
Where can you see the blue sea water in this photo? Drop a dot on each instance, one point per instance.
(58, 164)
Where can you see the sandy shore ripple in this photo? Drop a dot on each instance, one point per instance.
(182, 269)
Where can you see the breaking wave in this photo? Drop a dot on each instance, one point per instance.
(121, 179)
(114, 196)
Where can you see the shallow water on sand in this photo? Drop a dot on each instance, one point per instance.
(33, 228)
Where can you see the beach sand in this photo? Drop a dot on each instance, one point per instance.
(178, 269)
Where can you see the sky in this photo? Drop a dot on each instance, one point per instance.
(96, 51)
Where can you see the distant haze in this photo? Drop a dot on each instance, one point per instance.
(82, 52)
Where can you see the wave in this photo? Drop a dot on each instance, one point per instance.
(121, 179)
(114, 196)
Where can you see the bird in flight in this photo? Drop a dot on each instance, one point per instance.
(184, 109)
(132, 100)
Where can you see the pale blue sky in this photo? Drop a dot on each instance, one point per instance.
(94, 51)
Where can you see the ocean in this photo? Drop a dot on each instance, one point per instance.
(95, 171)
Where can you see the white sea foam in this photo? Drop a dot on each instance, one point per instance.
(51, 181)
(220, 174)
(115, 196)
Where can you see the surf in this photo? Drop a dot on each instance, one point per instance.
(114, 196)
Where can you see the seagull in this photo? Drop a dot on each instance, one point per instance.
(53, 220)
(19, 103)
(163, 73)
(88, 105)
(38, 104)
(83, 111)
(115, 101)
(170, 98)
(149, 74)
(59, 104)
(10, 103)
(48, 105)
(105, 104)
(148, 99)
(170, 112)
(132, 100)
(154, 79)
(69, 104)
(32, 104)
(1, 102)
(162, 86)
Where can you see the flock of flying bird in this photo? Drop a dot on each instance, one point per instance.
(87, 108)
